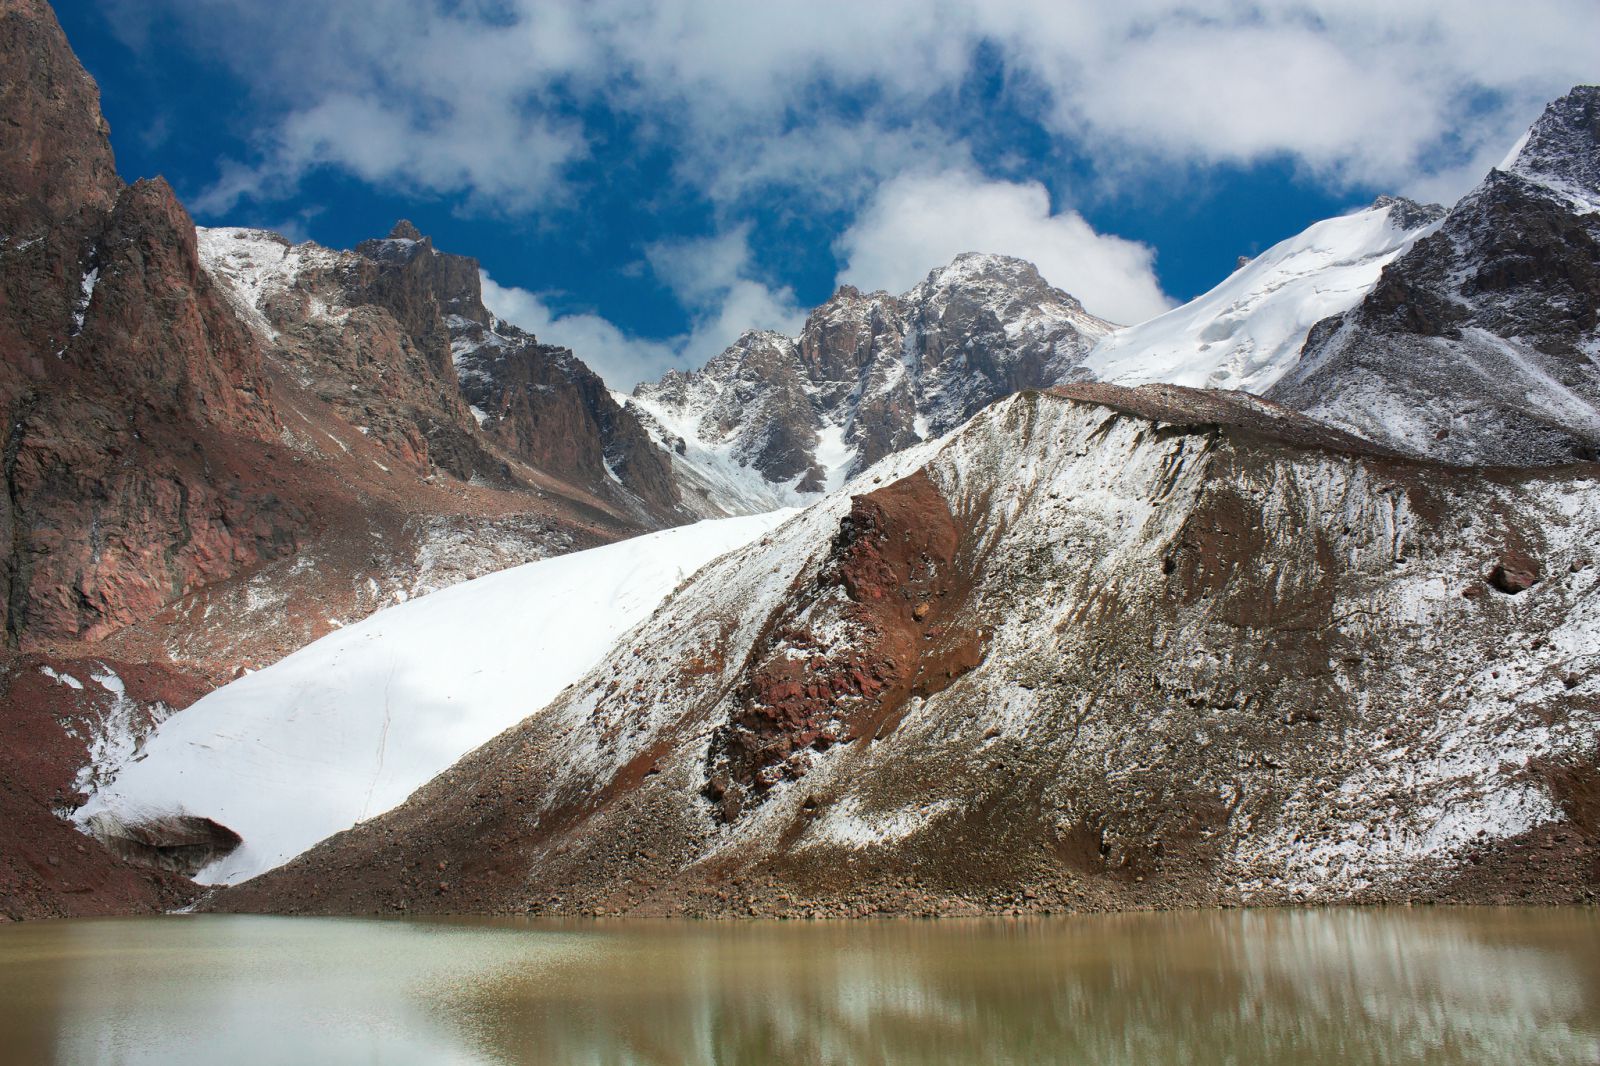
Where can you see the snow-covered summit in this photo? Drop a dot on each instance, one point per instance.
(781, 418)
(256, 267)
(1561, 151)
(1479, 343)
(1248, 331)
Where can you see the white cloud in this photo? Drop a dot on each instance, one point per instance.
(715, 278)
(918, 222)
(855, 110)
(622, 359)
(470, 98)
(711, 276)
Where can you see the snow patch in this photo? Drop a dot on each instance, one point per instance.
(117, 731)
(61, 678)
(846, 824)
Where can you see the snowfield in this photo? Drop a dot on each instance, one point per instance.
(1248, 331)
(349, 726)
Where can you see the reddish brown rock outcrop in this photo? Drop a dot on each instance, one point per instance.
(899, 564)
(55, 712)
(138, 452)
(1515, 572)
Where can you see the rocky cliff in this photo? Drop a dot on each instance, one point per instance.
(184, 410)
(217, 447)
(778, 420)
(395, 335)
(141, 455)
(1481, 344)
(1099, 648)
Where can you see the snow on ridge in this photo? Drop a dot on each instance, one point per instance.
(1247, 332)
(349, 726)
(252, 264)
(711, 468)
(717, 418)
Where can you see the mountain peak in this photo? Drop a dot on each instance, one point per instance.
(1408, 214)
(405, 230)
(972, 266)
(1562, 148)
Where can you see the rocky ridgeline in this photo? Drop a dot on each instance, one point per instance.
(869, 375)
(1101, 648)
(141, 454)
(183, 411)
(396, 336)
(1480, 343)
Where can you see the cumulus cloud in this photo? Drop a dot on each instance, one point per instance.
(477, 98)
(917, 222)
(1391, 93)
(622, 359)
(711, 276)
(716, 279)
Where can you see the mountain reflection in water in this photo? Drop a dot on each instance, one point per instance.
(1347, 987)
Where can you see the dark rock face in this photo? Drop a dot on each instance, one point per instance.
(1409, 214)
(1514, 573)
(541, 403)
(1195, 649)
(763, 405)
(545, 406)
(1478, 344)
(872, 374)
(397, 338)
(56, 155)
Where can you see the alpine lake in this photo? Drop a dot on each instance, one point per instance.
(1308, 987)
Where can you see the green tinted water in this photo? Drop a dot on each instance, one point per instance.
(1346, 987)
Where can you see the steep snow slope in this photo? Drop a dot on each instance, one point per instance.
(349, 726)
(1248, 331)
(1102, 648)
(709, 473)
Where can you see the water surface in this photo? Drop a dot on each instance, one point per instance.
(1346, 987)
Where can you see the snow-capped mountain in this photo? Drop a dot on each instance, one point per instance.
(220, 446)
(1248, 331)
(1099, 648)
(351, 725)
(396, 333)
(1481, 343)
(776, 419)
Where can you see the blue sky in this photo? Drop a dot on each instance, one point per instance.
(643, 180)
